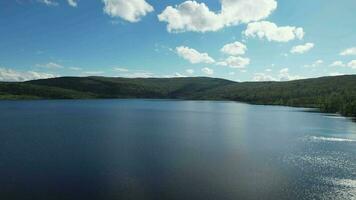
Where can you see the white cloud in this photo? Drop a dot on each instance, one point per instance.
(244, 11)
(120, 69)
(352, 64)
(300, 49)
(318, 62)
(337, 63)
(315, 64)
(49, 2)
(263, 77)
(73, 3)
(284, 71)
(190, 16)
(349, 52)
(193, 56)
(195, 16)
(139, 74)
(179, 75)
(11, 75)
(129, 10)
(207, 71)
(190, 71)
(234, 49)
(268, 70)
(272, 32)
(50, 65)
(235, 62)
(283, 75)
(93, 73)
(75, 68)
(336, 74)
(134, 73)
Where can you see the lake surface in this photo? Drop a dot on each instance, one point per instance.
(153, 150)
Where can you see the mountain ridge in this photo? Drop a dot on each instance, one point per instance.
(334, 94)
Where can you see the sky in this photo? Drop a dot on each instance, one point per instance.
(239, 40)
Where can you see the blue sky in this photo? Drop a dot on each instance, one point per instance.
(241, 40)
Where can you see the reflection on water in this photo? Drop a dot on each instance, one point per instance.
(331, 139)
(150, 149)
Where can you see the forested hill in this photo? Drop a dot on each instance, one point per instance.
(330, 94)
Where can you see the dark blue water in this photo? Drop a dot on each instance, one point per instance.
(151, 149)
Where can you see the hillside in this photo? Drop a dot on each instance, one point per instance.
(330, 94)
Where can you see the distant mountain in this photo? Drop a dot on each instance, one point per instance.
(330, 94)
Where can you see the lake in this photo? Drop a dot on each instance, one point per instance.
(162, 149)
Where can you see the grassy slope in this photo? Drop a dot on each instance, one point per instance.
(330, 94)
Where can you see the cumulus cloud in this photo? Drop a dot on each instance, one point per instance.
(11, 75)
(272, 32)
(207, 71)
(72, 3)
(129, 10)
(348, 52)
(48, 2)
(234, 49)
(337, 63)
(195, 16)
(283, 75)
(352, 64)
(190, 16)
(193, 56)
(263, 77)
(300, 49)
(235, 62)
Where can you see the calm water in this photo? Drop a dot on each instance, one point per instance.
(151, 149)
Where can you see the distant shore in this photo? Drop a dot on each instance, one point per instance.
(335, 94)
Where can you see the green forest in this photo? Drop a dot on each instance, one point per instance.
(335, 94)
